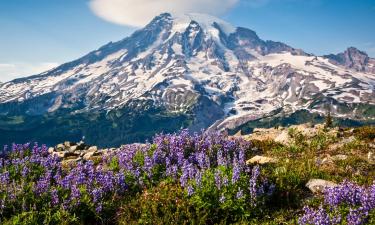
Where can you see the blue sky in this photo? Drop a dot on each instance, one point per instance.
(38, 34)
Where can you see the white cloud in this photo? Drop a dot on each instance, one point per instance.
(138, 13)
(10, 71)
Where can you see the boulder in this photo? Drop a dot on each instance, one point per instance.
(88, 155)
(81, 146)
(283, 137)
(60, 154)
(339, 157)
(73, 148)
(60, 147)
(92, 149)
(317, 186)
(71, 154)
(51, 150)
(261, 160)
(68, 143)
(71, 161)
(371, 158)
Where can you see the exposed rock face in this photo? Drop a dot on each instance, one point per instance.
(354, 59)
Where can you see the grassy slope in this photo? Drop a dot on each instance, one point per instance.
(298, 161)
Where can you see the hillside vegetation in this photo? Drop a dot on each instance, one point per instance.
(296, 175)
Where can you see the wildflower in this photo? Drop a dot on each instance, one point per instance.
(239, 193)
(190, 190)
(222, 198)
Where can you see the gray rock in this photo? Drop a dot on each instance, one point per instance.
(317, 186)
(353, 58)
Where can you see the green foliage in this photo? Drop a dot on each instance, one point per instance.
(46, 216)
(366, 133)
(164, 204)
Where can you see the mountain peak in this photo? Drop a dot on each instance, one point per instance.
(204, 20)
(353, 58)
(192, 64)
(355, 51)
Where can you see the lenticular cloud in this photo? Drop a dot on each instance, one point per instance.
(138, 13)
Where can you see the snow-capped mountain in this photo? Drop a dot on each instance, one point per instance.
(198, 66)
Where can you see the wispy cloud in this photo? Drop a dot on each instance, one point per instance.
(139, 12)
(255, 3)
(10, 71)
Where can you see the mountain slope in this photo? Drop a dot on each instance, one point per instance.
(194, 71)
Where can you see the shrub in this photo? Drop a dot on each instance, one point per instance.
(366, 133)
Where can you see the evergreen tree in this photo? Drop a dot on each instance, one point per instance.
(328, 121)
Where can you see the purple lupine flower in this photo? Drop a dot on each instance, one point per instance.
(96, 195)
(99, 208)
(148, 165)
(192, 155)
(43, 184)
(241, 157)
(218, 179)
(222, 198)
(120, 181)
(4, 178)
(236, 172)
(198, 178)
(253, 184)
(225, 181)
(221, 161)
(75, 195)
(239, 193)
(316, 217)
(361, 201)
(54, 197)
(355, 217)
(25, 171)
(190, 190)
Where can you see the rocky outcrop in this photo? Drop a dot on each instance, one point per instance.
(283, 134)
(71, 152)
(354, 59)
